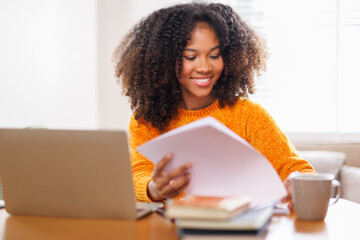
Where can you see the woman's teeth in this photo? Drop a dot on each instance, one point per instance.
(202, 80)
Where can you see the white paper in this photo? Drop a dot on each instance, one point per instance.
(224, 164)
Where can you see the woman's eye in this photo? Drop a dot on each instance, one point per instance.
(215, 56)
(189, 58)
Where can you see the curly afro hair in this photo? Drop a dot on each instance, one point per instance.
(145, 59)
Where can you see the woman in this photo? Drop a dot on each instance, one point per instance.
(187, 62)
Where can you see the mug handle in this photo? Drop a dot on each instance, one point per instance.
(335, 183)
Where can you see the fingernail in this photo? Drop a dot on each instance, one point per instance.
(168, 155)
(188, 165)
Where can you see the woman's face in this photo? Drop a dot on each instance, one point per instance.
(202, 67)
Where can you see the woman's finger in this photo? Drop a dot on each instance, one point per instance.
(286, 199)
(175, 187)
(179, 171)
(165, 179)
(184, 187)
(162, 181)
(159, 167)
(179, 183)
(291, 205)
(287, 184)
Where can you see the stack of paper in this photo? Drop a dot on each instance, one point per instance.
(224, 164)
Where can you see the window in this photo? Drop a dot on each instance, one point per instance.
(313, 79)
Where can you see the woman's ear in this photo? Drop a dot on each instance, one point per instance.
(177, 70)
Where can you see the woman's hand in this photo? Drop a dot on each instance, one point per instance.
(287, 184)
(288, 198)
(162, 185)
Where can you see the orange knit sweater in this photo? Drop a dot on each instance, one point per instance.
(246, 118)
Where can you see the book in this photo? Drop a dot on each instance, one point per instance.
(207, 207)
(251, 221)
(223, 163)
(223, 237)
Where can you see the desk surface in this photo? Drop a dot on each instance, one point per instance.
(342, 222)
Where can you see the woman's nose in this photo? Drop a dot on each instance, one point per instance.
(203, 66)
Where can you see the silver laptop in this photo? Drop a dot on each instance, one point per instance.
(68, 173)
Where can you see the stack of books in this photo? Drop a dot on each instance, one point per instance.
(204, 216)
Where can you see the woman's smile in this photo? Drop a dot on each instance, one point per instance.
(202, 81)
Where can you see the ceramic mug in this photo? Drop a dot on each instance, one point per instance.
(311, 194)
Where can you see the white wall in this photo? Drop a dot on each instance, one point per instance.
(55, 61)
(113, 22)
(48, 60)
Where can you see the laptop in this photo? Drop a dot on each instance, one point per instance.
(68, 173)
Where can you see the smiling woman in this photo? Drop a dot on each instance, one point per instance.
(187, 62)
(155, 88)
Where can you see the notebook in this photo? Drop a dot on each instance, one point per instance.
(68, 173)
(253, 221)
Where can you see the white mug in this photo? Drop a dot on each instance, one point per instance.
(311, 195)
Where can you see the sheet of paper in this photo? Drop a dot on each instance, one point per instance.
(224, 164)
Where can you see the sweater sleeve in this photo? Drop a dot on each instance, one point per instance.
(263, 133)
(141, 166)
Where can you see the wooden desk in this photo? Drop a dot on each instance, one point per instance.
(342, 222)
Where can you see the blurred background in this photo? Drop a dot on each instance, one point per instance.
(56, 69)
